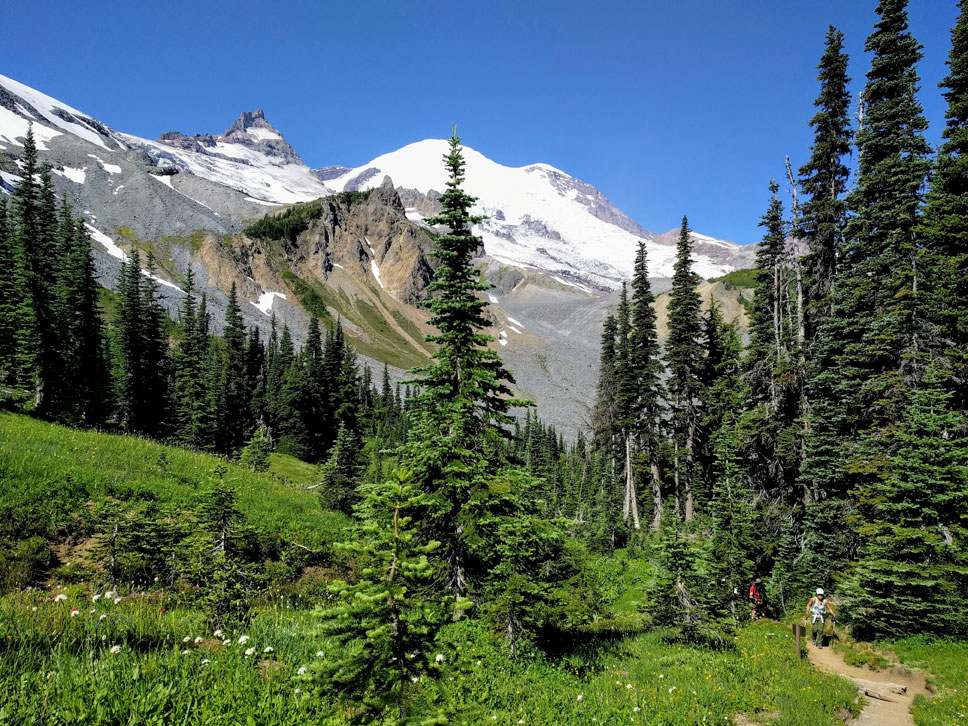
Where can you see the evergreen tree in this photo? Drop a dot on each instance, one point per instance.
(339, 476)
(768, 331)
(626, 395)
(237, 423)
(869, 350)
(729, 549)
(684, 361)
(946, 219)
(646, 368)
(605, 417)
(192, 418)
(31, 246)
(912, 574)
(824, 180)
(723, 392)
(879, 292)
(679, 593)
(771, 369)
(81, 395)
(385, 624)
(16, 313)
(465, 396)
(143, 394)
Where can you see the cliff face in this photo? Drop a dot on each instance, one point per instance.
(352, 256)
(370, 240)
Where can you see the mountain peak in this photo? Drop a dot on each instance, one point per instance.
(250, 119)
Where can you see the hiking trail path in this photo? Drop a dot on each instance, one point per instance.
(889, 693)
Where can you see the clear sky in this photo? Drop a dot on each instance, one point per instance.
(667, 107)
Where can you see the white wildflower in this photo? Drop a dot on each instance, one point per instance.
(115, 649)
(205, 661)
(628, 686)
(439, 658)
(320, 654)
(103, 617)
(243, 639)
(186, 638)
(267, 649)
(33, 609)
(249, 651)
(301, 671)
(218, 633)
(414, 679)
(672, 689)
(661, 676)
(198, 639)
(117, 600)
(110, 594)
(580, 696)
(91, 611)
(636, 709)
(520, 720)
(185, 652)
(60, 597)
(74, 612)
(226, 642)
(95, 598)
(478, 663)
(297, 691)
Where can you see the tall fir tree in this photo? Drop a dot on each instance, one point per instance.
(946, 219)
(912, 570)
(871, 348)
(84, 387)
(824, 180)
(465, 396)
(238, 422)
(386, 622)
(647, 370)
(881, 288)
(684, 360)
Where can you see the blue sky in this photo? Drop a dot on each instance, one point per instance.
(667, 107)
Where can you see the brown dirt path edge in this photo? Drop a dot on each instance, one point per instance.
(891, 708)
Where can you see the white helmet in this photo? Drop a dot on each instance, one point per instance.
(820, 591)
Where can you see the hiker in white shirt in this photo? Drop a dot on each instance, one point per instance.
(818, 610)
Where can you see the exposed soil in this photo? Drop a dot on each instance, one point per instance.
(889, 693)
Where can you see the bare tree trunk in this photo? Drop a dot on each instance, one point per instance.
(689, 511)
(675, 472)
(630, 479)
(656, 493)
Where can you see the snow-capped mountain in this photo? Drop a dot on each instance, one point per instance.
(538, 216)
(251, 156)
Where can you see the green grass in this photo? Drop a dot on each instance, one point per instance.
(308, 296)
(291, 470)
(945, 664)
(49, 472)
(861, 655)
(58, 669)
(738, 280)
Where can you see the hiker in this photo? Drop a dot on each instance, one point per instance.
(818, 610)
(756, 598)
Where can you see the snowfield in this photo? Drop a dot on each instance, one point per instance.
(539, 216)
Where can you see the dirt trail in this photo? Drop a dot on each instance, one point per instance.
(885, 705)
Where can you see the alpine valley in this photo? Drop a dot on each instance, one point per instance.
(358, 245)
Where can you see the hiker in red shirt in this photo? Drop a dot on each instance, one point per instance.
(756, 598)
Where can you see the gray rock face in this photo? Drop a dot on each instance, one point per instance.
(251, 130)
(329, 172)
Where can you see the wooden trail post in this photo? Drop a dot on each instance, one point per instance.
(799, 632)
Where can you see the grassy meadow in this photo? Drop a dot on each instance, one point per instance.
(74, 650)
(135, 659)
